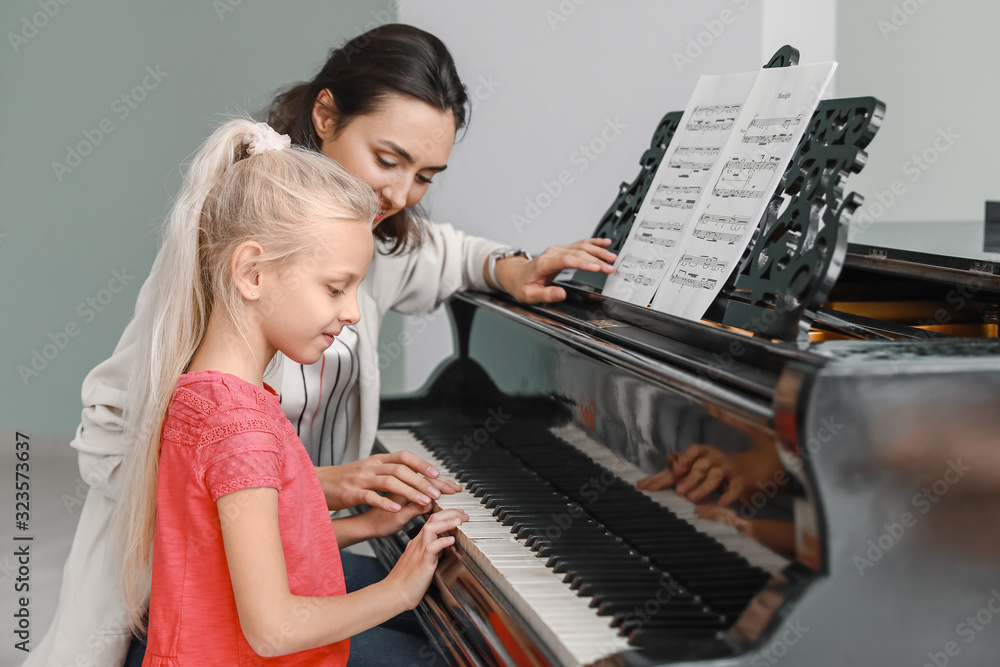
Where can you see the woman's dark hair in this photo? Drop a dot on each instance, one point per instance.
(391, 59)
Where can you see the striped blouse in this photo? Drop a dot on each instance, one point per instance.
(321, 400)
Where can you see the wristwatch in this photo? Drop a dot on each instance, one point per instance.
(497, 255)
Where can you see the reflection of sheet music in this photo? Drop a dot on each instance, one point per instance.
(681, 180)
(741, 183)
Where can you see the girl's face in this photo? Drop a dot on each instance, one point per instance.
(304, 305)
(397, 150)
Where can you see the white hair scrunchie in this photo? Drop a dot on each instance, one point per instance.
(263, 138)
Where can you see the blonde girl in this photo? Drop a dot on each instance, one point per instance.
(221, 506)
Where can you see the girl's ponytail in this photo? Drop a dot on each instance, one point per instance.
(226, 198)
(173, 318)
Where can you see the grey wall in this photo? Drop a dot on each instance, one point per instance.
(935, 65)
(64, 235)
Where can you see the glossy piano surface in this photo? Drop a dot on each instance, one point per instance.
(875, 468)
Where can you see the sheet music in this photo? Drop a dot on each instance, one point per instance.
(767, 131)
(666, 212)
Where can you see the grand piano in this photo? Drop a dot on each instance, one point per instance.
(855, 386)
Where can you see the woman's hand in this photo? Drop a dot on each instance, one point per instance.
(382, 523)
(530, 281)
(413, 571)
(402, 473)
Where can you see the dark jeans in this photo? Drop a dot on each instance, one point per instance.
(399, 642)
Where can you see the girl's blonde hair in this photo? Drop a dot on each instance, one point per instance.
(279, 199)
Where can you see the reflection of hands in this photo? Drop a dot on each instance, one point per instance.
(401, 473)
(529, 281)
(697, 472)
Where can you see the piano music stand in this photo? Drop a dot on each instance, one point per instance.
(799, 246)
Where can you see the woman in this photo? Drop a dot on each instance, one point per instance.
(387, 106)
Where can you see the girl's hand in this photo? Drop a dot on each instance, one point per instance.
(402, 473)
(530, 281)
(413, 571)
(383, 523)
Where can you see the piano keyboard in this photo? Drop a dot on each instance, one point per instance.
(587, 565)
(570, 627)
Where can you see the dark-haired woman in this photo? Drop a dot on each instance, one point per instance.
(387, 106)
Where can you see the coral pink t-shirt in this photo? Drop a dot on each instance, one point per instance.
(223, 434)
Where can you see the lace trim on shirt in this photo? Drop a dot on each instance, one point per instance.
(173, 435)
(243, 426)
(245, 482)
(194, 401)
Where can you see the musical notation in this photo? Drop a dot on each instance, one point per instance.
(703, 262)
(714, 117)
(737, 165)
(743, 178)
(765, 139)
(638, 279)
(689, 165)
(719, 124)
(685, 279)
(673, 190)
(666, 226)
(672, 202)
(704, 151)
(767, 123)
(630, 261)
(721, 228)
(716, 110)
(652, 240)
(734, 223)
(711, 236)
(788, 124)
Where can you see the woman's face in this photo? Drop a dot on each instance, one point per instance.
(397, 150)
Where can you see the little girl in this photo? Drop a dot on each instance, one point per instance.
(266, 246)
